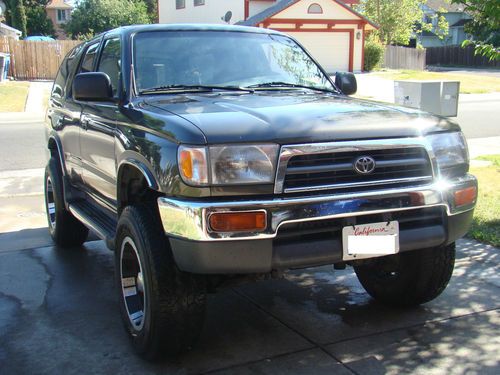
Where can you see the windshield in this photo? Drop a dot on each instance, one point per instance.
(175, 59)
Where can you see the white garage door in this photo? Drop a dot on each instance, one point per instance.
(331, 50)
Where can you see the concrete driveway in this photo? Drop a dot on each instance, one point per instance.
(59, 315)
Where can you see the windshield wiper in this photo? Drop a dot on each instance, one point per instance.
(278, 84)
(192, 88)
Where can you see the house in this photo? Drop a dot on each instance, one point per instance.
(8, 31)
(59, 12)
(456, 18)
(331, 30)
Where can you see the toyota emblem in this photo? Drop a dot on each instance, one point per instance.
(364, 165)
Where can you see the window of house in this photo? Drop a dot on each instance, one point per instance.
(180, 4)
(89, 59)
(110, 62)
(197, 3)
(61, 15)
(315, 9)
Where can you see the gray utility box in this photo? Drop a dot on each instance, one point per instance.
(438, 97)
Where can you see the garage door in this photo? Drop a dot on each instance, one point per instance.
(330, 49)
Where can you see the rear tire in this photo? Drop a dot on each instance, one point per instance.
(65, 230)
(163, 309)
(408, 279)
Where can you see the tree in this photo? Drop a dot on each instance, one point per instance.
(400, 19)
(152, 6)
(96, 16)
(485, 26)
(37, 21)
(17, 15)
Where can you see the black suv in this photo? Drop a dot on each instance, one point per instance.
(205, 155)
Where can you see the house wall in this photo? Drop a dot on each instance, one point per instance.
(211, 12)
(52, 14)
(258, 6)
(333, 40)
(299, 10)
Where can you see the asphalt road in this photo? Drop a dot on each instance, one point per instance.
(479, 115)
(22, 146)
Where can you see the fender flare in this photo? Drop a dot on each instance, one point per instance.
(142, 166)
(55, 139)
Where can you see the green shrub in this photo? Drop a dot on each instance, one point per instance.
(374, 51)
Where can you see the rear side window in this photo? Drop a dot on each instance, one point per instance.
(110, 62)
(65, 70)
(89, 59)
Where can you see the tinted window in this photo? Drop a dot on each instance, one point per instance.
(89, 59)
(67, 68)
(110, 62)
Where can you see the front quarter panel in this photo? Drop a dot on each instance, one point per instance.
(152, 141)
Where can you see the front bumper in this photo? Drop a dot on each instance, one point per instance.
(198, 249)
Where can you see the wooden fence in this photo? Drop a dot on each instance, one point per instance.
(404, 58)
(456, 55)
(35, 60)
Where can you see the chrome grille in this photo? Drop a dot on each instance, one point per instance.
(399, 166)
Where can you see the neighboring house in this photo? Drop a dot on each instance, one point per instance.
(456, 17)
(59, 12)
(6, 30)
(331, 30)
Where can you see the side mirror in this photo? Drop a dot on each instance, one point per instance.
(346, 82)
(92, 87)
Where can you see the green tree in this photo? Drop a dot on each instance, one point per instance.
(485, 26)
(96, 16)
(152, 6)
(17, 15)
(400, 19)
(37, 21)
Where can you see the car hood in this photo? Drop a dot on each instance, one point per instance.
(287, 117)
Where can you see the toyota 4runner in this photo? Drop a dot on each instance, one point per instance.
(204, 155)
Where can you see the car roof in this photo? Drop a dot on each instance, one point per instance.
(128, 30)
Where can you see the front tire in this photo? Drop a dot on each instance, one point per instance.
(162, 308)
(408, 279)
(65, 229)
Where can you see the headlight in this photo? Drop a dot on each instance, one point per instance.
(451, 153)
(229, 165)
(252, 164)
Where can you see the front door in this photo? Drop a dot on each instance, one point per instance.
(97, 137)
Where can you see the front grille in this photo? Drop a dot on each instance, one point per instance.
(398, 166)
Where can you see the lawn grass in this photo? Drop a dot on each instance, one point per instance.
(13, 96)
(486, 223)
(469, 83)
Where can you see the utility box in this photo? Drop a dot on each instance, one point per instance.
(437, 97)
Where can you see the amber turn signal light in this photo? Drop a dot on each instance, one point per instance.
(238, 221)
(465, 196)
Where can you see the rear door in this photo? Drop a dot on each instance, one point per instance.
(97, 137)
(64, 112)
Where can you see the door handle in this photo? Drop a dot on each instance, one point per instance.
(85, 123)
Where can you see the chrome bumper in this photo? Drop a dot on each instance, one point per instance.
(188, 220)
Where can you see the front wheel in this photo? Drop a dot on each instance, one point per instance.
(162, 308)
(408, 279)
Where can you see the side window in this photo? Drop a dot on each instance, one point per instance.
(89, 58)
(65, 70)
(110, 62)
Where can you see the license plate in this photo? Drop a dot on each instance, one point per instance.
(370, 240)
